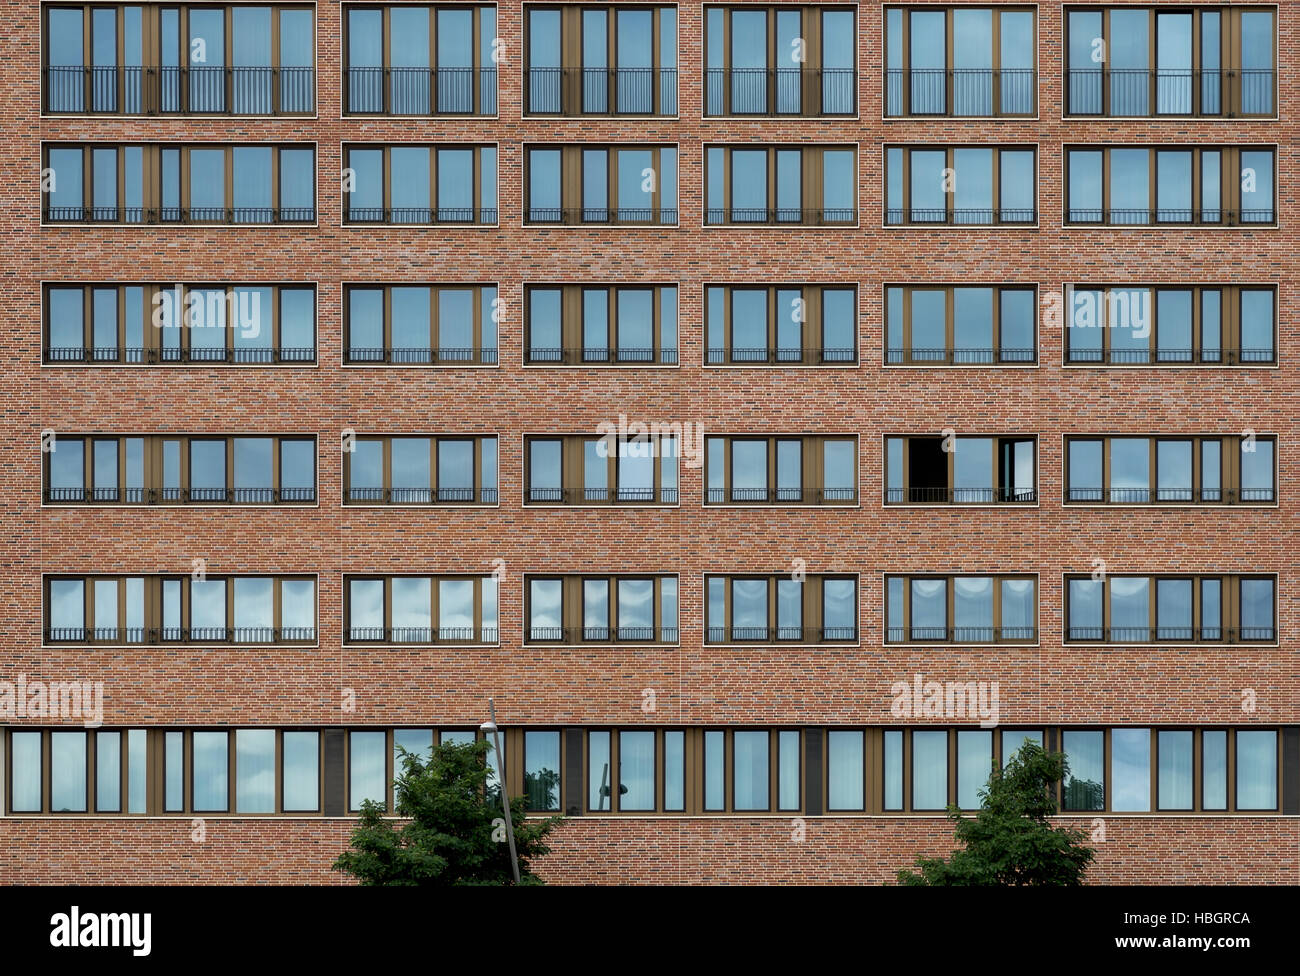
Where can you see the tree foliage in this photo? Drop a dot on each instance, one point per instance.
(452, 827)
(1010, 840)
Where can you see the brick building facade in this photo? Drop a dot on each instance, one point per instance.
(845, 792)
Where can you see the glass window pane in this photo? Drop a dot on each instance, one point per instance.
(599, 774)
(1256, 769)
(1214, 770)
(367, 768)
(301, 789)
(1130, 763)
(788, 770)
(893, 769)
(108, 772)
(674, 770)
(844, 769)
(68, 772)
(1085, 782)
(211, 771)
(542, 770)
(25, 781)
(1013, 740)
(929, 770)
(714, 771)
(974, 763)
(1257, 614)
(1174, 749)
(636, 764)
(255, 770)
(750, 770)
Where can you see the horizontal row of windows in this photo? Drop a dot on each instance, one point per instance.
(414, 469)
(622, 60)
(746, 608)
(637, 325)
(647, 770)
(587, 184)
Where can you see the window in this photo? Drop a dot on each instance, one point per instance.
(1216, 62)
(809, 186)
(601, 609)
(955, 325)
(578, 325)
(845, 770)
(542, 770)
(600, 60)
(781, 470)
(420, 325)
(1257, 769)
(964, 62)
(596, 184)
(923, 470)
(420, 609)
(1187, 609)
(1170, 470)
(419, 60)
(816, 609)
(411, 184)
(978, 185)
(779, 61)
(117, 610)
(158, 324)
(412, 470)
(627, 768)
(1174, 756)
(241, 184)
(1142, 325)
(135, 60)
(608, 469)
(780, 325)
(1085, 786)
(117, 470)
(1137, 185)
(961, 609)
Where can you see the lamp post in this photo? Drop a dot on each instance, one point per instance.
(490, 727)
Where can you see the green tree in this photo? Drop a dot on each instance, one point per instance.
(453, 832)
(1009, 841)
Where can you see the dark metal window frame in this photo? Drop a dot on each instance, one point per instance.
(811, 631)
(996, 494)
(486, 297)
(949, 355)
(478, 216)
(811, 212)
(573, 212)
(574, 631)
(811, 328)
(1229, 491)
(574, 351)
(1228, 631)
(812, 489)
(483, 635)
(437, 494)
(573, 491)
(904, 633)
(905, 217)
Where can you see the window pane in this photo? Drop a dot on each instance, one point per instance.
(456, 609)
(844, 769)
(929, 770)
(749, 609)
(1085, 185)
(1014, 740)
(714, 778)
(1256, 186)
(544, 609)
(599, 773)
(636, 609)
(1214, 770)
(893, 769)
(542, 770)
(25, 784)
(974, 763)
(636, 763)
(210, 770)
(255, 771)
(1085, 783)
(973, 608)
(1130, 608)
(412, 608)
(254, 609)
(750, 770)
(367, 772)
(929, 600)
(108, 772)
(1130, 469)
(174, 772)
(1174, 750)
(1174, 609)
(1256, 770)
(1130, 759)
(1257, 471)
(788, 770)
(1174, 471)
(1257, 325)
(1257, 609)
(67, 772)
(674, 770)
(301, 771)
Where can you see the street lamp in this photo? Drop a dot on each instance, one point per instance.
(490, 728)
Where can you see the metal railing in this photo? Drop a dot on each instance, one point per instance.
(621, 355)
(1185, 633)
(960, 635)
(181, 635)
(1134, 217)
(779, 496)
(178, 215)
(420, 91)
(421, 635)
(573, 216)
(600, 635)
(777, 356)
(600, 91)
(171, 90)
(599, 496)
(1145, 92)
(1149, 496)
(956, 216)
(800, 216)
(1146, 357)
(421, 215)
(764, 635)
(968, 356)
(422, 356)
(780, 91)
(154, 496)
(970, 92)
(421, 496)
(1004, 494)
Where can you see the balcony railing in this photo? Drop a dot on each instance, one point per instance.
(623, 355)
(794, 216)
(976, 216)
(421, 635)
(1131, 217)
(1184, 633)
(421, 496)
(960, 635)
(765, 635)
(778, 356)
(779, 496)
(180, 635)
(968, 356)
(178, 215)
(191, 90)
(601, 496)
(1144, 92)
(154, 496)
(422, 356)
(152, 356)
(1145, 357)
(960, 496)
(601, 91)
(1152, 496)
(972, 92)
(652, 216)
(421, 215)
(780, 91)
(420, 91)
(601, 635)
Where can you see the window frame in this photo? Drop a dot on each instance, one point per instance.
(484, 636)
(814, 309)
(905, 220)
(996, 640)
(480, 216)
(812, 466)
(574, 352)
(486, 295)
(906, 357)
(1030, 499)
(573, 607)
(1229, 611)
(571, 177)
(483, 497)
(812, 216)
(573, 490)
(812, 609)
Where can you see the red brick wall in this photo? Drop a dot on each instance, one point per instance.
(693, 684)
